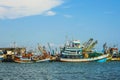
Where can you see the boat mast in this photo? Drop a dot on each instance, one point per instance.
(14, 46)
(50, 48)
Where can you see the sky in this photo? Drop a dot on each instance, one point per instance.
(29, 22)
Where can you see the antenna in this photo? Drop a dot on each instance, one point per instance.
(66, 38)
(14, 44)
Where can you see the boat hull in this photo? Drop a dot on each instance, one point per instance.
(32, 61)
(43, 60)
(115, 59)
(23, 61)
(103, 58)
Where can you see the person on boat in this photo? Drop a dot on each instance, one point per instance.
(5, 51)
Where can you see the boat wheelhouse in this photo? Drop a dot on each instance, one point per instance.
(72, 50)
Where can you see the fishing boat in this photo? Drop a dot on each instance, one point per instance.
(40, 58)
(115, 54)
(74, 52)
(24, 58)
(112, 51)
(31, 57)
(43, 55)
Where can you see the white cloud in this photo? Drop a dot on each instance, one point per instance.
(12, 9)
(50, 13)
(68, 16)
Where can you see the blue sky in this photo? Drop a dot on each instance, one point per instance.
(28, 22)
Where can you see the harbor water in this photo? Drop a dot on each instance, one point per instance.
(60, 71)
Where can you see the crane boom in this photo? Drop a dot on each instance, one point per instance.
(92, 46)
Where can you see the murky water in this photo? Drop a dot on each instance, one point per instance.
(60, 71)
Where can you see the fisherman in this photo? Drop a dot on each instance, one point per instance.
(5, 51)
